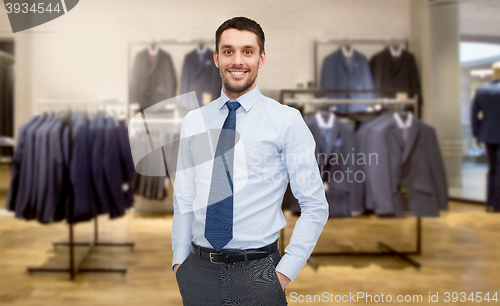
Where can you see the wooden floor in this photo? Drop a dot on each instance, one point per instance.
(461, 253)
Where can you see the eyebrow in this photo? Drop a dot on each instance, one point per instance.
(245, 47)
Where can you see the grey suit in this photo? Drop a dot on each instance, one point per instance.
(152, 82)
(415, 164)
(364, 201)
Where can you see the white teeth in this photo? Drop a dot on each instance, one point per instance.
(237, 72)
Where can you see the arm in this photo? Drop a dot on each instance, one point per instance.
(307, 187)
(476, 108)
(184, 194)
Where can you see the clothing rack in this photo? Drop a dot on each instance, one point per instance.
(329, 101)
(385, 249)
(78, 267)
(341, 42)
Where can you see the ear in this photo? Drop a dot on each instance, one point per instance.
(216, 59)
(262, 59)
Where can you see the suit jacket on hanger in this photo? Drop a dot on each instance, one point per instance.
(487, 101)
(415, 165)
(334, 160)
(152, 82)
(337, 73)
(201, 77)
(396, 74)
(17, 164)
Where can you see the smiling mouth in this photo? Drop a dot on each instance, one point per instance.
(237, 73)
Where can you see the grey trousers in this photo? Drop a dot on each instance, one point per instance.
(251, 283)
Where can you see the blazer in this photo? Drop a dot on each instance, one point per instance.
(415, 165)
(55, 176)
(152, 82)
(127, 163)
(113, 176)
(338, 74)
(201, 77)
(340, 193)
(85, 206)
(99, 123)
(42, 166)
(400, 75)
(17, 159)
(27, 180)
(487, 101)
(364, 201)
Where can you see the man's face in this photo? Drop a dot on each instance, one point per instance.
(238, 60)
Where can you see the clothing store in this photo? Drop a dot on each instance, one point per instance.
(353, 155)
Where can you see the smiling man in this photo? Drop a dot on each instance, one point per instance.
(227, 212)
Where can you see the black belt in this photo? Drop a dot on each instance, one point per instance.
(229, 256)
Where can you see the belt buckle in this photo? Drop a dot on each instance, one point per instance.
(211, 258)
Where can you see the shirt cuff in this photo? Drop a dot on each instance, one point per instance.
(180, 254)
(290, 266)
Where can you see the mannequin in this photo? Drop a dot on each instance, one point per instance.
(485, 127)
(496, 71)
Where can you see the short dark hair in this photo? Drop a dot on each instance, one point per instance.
(241, 23)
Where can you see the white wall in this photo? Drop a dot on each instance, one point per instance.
(83, 54)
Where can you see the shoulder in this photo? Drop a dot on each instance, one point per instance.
(283, 111)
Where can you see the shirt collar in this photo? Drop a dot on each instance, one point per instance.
(321, 122)
(400, 122)
(246, 101)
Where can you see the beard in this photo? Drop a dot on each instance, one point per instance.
(237, 86)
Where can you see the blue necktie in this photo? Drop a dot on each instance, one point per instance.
(326, 135)
(219, 219)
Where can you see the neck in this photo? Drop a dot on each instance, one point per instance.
(235, 95)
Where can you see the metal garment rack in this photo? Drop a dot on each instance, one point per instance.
(385, 249)
(341, 42)
(329, 101)
(78, 267)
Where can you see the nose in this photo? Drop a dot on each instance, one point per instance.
(237, 59)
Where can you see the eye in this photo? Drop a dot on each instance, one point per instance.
(248, 52)
(227, 52)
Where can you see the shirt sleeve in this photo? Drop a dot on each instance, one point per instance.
(298, 157)
(184, 195)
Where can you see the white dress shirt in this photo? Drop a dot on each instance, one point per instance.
(274, 146)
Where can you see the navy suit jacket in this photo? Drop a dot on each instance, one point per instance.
(127, 162)
(338, 74)
(201, 76)
(26, 183)
(81, 176)
(55, 172)
(487, 101)
(17, 163)
(97, 165)
(42, 166)
(113, 176)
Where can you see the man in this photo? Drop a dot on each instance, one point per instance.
(227, 211)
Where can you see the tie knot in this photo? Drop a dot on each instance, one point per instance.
(233, 104)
